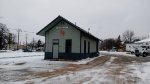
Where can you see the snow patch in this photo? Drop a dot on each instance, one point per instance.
(115, 53)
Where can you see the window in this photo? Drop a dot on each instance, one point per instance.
(55, 41)
(143, 46)
(88, 47)
(68, 46)
(84, 46)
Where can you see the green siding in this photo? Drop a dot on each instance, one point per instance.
(70, 33)
(92, 44)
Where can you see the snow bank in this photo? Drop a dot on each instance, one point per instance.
(142, 41)
(115, 53)
(10, 67)
(17, 54)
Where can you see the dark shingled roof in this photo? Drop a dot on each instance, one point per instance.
(59, 19)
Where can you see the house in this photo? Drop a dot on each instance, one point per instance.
(65, 40)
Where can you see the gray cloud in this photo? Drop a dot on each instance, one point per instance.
(106, 18)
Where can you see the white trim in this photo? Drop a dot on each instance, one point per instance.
(61, 27)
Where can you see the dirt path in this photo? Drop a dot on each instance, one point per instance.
(75, 67)
(106, 68)
(118, 71)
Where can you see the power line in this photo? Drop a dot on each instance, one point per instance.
(26, 41)
(21, 30)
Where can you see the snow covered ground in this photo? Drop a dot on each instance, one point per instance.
(121, 68)
(17, 64)
(17, 54)
(115, 53)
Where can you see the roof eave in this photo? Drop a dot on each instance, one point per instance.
(41, 33)
(45, 29)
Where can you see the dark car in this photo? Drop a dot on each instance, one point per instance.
(27, 50)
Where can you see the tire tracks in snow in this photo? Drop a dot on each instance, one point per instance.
(88, 73)
(76, 67)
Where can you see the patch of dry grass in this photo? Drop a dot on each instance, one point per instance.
(122, 60)
(21, 63)
(128, 59)
(98, 61)
(116, 71)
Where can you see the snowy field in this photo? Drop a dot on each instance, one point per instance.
(116, 68)
(17, 54)
(115, 53)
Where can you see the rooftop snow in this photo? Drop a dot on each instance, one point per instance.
(142, 41)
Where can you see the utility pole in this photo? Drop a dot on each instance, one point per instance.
(19, 30)
(9, 40)
(88, 30)
(33, 44)
(26, 41)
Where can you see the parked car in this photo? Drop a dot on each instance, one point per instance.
(27, 50)
(113, 49)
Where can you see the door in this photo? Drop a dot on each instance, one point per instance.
(55, 51)
(68, 46)
(55, 48)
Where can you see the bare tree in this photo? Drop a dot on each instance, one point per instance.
(128, 36)
(3, 36)
(11, 40)
(108, 44)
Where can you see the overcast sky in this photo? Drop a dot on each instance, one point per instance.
(105, 18)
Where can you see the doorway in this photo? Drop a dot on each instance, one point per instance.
(68, 48)
(55, 48)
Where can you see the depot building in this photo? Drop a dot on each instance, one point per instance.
(65, 40)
